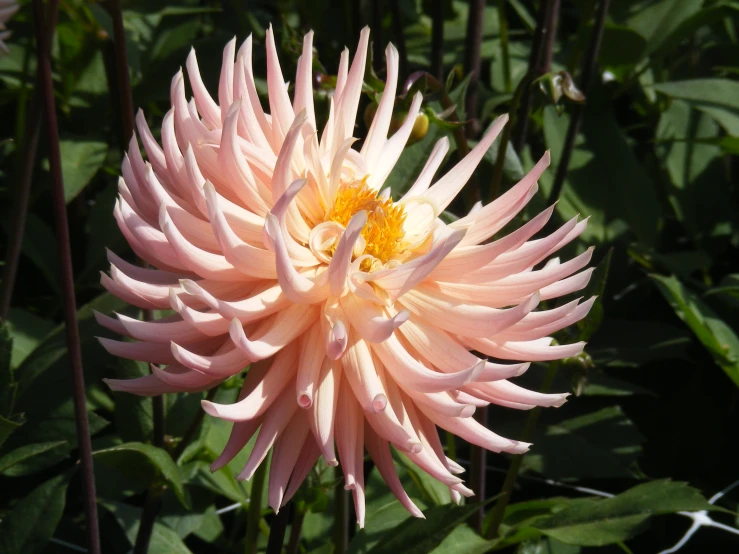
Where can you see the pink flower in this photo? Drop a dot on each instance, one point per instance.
(7, 10)
(356, 313)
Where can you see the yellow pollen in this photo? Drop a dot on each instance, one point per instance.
(383, 232)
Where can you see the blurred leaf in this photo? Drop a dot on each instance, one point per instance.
(7, 375)
(145, 464)
(658, 21)
(133, 414)
(81, 160)
(420, 536)
(38, 242)
(512, 166)
(12, 464)
(606, 441)
(719, 98)
(617, 519)
(721, 92)
(546, 545)
(7, 426)
(601, 384)
(54, 347)
(713, 332)
(163, 539)
(596, 287)
(27, 330)
(463, 540)
(620, 45)
(32, 522)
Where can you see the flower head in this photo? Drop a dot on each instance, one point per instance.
(277, 249)
(7, 10)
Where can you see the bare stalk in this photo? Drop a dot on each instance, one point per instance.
(74, 351)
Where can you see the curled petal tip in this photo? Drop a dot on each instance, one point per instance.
(467, 411)
(305, 401)
(209, 407)
(414, 447)
(379, 403)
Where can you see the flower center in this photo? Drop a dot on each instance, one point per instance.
(383, 232)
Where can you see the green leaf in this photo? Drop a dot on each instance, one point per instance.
(7, 426)
(606, 441)
(411, 162)
(163, 539)
(617, 519)
(596, 287)
(81, 160)
(718, 338)
(27, 330)
(463, 540)
(144, 464)
(657, 22)
(38, 242)
(716, 97)
(54, 347)
(721, 92)
(7, 376)
(420, 536)
(12, 464)
(133, 416)
(32, 522)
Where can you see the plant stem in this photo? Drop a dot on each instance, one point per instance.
(23, 188)
(254, 514)
(341, 516)
(504, 50)
(122, 72)
(506, 134)
(277, 530)
(194, 426)
(152, 505)
(540, 62)
(294, 543)
(74, 351)
(399, 39)
(588, 68)
(437, 39)
(472, 62)
(532, 419)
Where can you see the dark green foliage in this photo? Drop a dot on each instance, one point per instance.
(655, 411)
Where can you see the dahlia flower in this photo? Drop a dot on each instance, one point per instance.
(278, 250)
(7, 10)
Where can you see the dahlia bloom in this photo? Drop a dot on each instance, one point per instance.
(277, 249)
(7, 10)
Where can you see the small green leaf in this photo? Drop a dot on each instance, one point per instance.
(420, 536)
(12, 463)
(32, 522)
(7, 426)
(712, 331)
(145, 464)
(81, 160)
(617, 519)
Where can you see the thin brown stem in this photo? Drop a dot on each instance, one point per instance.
(437, 39)
(294, 543)
(472, 62)
(540, 62)
(74, 352)
(193, 429)
(23, 188)
(588, 68)
(152, 505)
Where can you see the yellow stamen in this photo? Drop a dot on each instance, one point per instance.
(383, 232)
